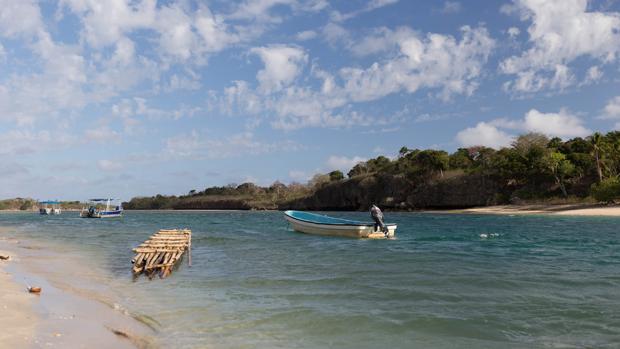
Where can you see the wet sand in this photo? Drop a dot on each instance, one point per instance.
(61, 316)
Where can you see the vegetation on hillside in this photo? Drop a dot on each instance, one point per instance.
(534, 167)
(25, 204)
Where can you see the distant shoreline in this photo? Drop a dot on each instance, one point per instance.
(535, 209)
(525, 209)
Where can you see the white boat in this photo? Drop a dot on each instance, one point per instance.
(312, 223)
(102, 208)
(49, 207)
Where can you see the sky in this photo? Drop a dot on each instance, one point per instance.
(123, 98)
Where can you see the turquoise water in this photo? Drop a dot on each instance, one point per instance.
(447, 281)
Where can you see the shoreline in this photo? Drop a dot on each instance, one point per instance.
(61, 316)
(584, 210)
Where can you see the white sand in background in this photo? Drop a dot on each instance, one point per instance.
(564, 210)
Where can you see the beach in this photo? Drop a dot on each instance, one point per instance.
(61, 316)
(563, 210)
(18, 319)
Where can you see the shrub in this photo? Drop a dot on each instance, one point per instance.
(607, 190)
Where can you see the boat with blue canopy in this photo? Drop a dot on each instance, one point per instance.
(313, 223)
(102, 208)
(49, 207)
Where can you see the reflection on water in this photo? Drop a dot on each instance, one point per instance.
(447, 281)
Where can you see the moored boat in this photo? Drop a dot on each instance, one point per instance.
(102, 208)
(49, 207)
(312, 223)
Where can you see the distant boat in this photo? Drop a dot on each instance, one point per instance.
(102, 208)
(49, 207)
(312, 223)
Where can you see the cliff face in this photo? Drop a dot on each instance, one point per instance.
(458, 192)
(396, 192)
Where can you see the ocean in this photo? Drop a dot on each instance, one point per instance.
(446, 281)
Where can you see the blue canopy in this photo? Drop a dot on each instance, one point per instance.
(49, 202)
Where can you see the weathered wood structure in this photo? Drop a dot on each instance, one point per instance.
(161, 252)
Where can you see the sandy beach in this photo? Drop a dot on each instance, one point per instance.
(61, 316)
(563, 210)
(17, 318)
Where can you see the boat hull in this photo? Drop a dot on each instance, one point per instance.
(344, 230)
(101, 214)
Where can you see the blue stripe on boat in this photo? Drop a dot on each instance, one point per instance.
(327, 220)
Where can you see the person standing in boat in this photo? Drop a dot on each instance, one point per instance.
(377, 216)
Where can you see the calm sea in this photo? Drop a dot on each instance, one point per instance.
(447, 281)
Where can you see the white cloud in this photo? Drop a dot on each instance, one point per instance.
(299, 176)
(560, 32)
(102, 134)
(342, 163)
(513, 32)
(612, 109)
(484, 134)
(201, 146)
(561, 124)
(20, 18)
(109, 165)
(370, 6)
(282, 66)
(25, 141)
(306, 35)
(106, 22)
(593, 75)
(335, 34)
(435, 61)
(490, 134)
(214, 31)
(451, 7)
(259, 10)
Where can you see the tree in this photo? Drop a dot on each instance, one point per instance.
(597, 142)
(378, 164)
(555, 143)
(318, 181)
(336, 176)
(607, 190)
(460, 159)
(559, 168)
(433, 161)
(359, 169)
(403, 152)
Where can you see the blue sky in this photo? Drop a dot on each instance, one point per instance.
(127, 98)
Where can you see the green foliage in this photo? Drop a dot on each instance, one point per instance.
(533, 167)
(460, 159)
(336, 176)
(607, 190)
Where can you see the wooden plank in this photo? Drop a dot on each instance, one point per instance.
(160, 252)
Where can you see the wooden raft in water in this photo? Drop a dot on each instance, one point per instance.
(161, 251)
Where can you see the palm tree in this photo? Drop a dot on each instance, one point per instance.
(597, 140)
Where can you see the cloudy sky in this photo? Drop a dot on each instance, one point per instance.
(130, 97)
